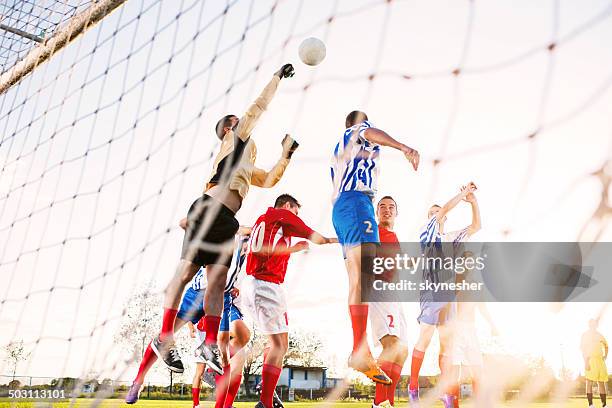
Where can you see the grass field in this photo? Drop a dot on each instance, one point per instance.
(111, 403)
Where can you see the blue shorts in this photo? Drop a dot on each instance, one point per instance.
(437, 313)
(230, 313)
(192, 306)
(354, 220)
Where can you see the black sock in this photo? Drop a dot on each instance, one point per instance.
(590, 398)
(603, 399)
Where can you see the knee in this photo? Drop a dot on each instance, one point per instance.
(280, 344)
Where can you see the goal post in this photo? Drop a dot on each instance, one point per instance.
(63, 36)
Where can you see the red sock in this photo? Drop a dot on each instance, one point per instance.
(195, 394)
(232, 391)
(269, 377)
(359, 320)
(455, 393)
(381, 389)
(211, 327)
(168, 323)
(221, 386)
(148, 359)
(394, 373)
(415, 368)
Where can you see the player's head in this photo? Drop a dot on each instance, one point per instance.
(225, 124)
(386, 211)
(593, 324)
(354, 118)
(287, 202)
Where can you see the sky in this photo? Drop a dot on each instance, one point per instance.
(105, 146)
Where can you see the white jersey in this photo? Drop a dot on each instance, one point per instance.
(456, 237)
(199, 281)
(354, 165)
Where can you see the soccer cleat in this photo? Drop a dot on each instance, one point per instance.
(384, 404)
(413, 398)
(260, 405)
(447, 400)
(133, 393)
(369, 367)
(168, 353)
(209, 378)
(276, 401)
(211, 355)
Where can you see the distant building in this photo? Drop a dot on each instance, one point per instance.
(298, 377)
(303, 378)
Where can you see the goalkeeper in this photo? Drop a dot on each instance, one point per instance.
(211, 224)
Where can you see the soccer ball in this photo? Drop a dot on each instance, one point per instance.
(312, 51)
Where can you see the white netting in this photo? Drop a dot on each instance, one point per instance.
(105, 145)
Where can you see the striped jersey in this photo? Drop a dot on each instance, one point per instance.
(431, 239)
(199, 281)
(237, 264)
(430, 235)
(354, 165)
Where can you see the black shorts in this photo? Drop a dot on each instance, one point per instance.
(221, 229)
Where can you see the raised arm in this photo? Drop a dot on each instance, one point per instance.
(251, 116)
(452, 203)
(267, 179)
(474, 227)
(382, 138)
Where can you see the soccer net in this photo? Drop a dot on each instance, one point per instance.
(107, 110)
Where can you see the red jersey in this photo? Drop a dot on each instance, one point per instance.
(389, 250)
(273, 230)
(387, 236)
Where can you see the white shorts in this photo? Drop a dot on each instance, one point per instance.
(465, 348)
(266, 303)
(387, 318)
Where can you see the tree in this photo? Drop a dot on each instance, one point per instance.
(141, 322)
(254, 358)
(15, 353)
(305, 349)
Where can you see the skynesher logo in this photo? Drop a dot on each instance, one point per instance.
(412, 264)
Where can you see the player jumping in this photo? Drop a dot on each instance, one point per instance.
(233, 333)
(191, 311)
(354, 171)
(594, 349)
(212, 224)
(436, 312)
(466, 352)
(388, 322)
(262, 293)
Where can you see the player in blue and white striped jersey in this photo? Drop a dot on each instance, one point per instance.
(437, 309)
(191, 311)
(354, 171)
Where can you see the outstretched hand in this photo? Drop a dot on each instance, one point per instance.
(290, 145)
(468, 192)
(286, 71)
(413, 157)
